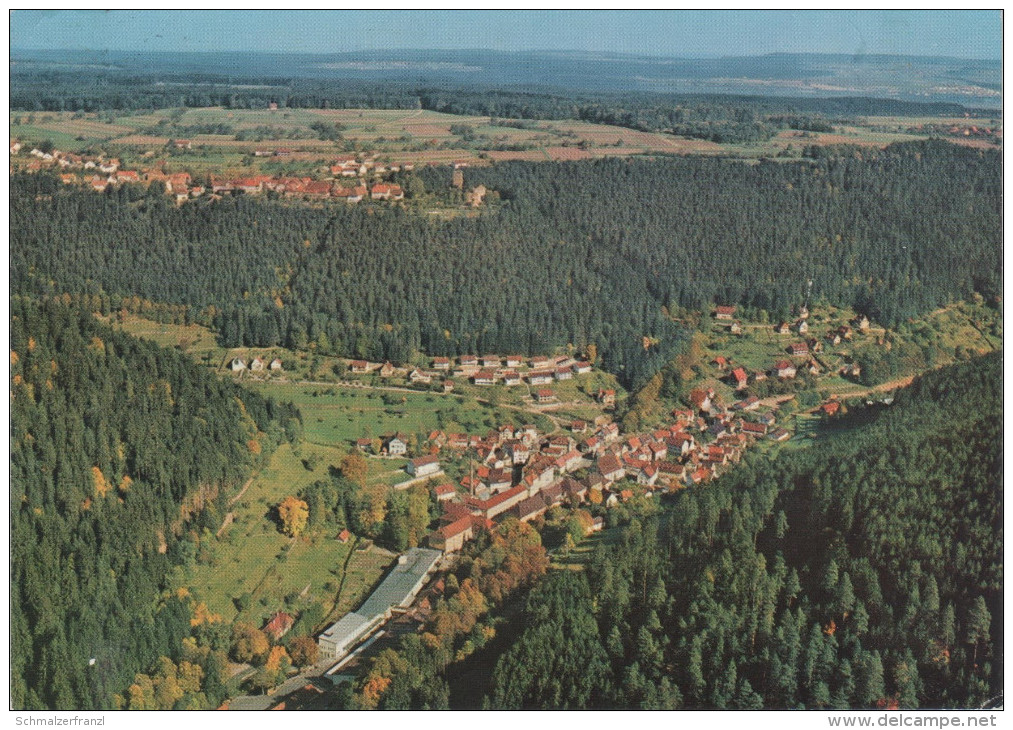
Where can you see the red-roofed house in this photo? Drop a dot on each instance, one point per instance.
(607, 397)
(445, 492)
(544, 396)
(701, 400)
(699, 476)
(659, 451)
(451, 538)
(500, 503)
(568, 461)
(423, 466)
(380, 191)
(723, 312)
(740, 378)
(830, 408)
(648, 475)
(540, 377)
(279, 625)
(484, 377)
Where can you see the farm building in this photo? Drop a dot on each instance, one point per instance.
(423, 466)
(397, 590)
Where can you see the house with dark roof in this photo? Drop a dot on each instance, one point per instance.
(610, 468)
(530, 508)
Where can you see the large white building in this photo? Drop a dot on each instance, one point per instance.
(397, 590)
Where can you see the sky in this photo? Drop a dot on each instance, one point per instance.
(677, 33)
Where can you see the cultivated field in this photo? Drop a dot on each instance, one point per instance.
(223, 140)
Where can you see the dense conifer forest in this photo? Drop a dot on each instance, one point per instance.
(122, 455)
(862, 572)
(596, 252)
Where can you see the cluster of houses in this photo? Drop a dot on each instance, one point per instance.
(256, 365)
(99, 173)
(353, 166)
(305, 187)
(784, 369)
(521, 473)
(487, 370)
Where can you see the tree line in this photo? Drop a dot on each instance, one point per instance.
(719, 118)
(121, 454)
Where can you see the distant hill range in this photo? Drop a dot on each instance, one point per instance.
(969, 82)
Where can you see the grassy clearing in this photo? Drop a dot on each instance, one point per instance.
(578, 557)
(253, 557)
(194, 337)
(336, 416)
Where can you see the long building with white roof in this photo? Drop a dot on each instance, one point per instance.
(397, 590)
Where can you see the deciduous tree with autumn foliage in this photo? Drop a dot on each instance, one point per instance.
(294, 516)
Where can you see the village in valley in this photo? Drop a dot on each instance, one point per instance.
(549, 439)
(543, 439)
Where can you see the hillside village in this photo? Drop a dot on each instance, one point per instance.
(523, 472)
(805, 353)
(351, 180)
(520, 472)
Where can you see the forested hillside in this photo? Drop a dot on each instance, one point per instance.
(121, 454)
(862, 572)
(584, 253)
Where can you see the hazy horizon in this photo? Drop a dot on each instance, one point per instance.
(969, 35)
